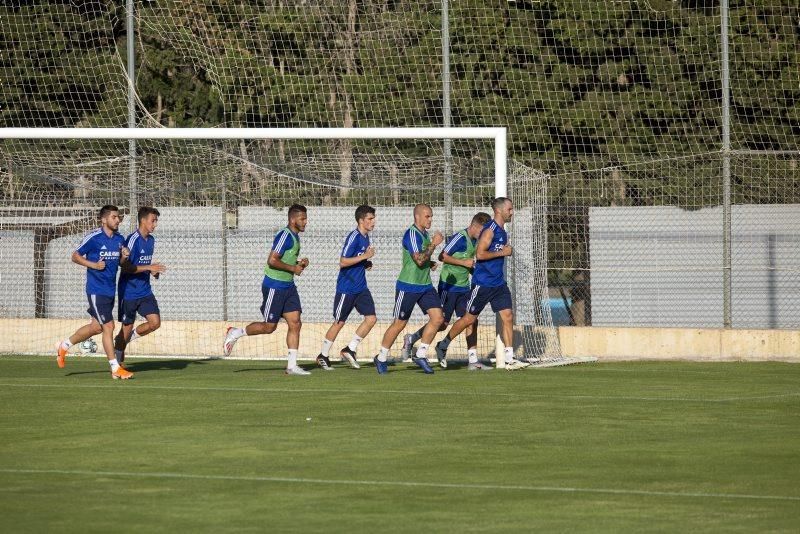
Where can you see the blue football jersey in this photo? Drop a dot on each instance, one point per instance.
(353, 279)
(96, 246)
(489, 273)
(137, 286)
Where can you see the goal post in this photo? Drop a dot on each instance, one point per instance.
(379, 175)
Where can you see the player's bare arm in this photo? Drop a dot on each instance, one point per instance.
(82, 261)
(423, 257)
(447, 258)
(275, 261)
(349, 262)
(482, 251)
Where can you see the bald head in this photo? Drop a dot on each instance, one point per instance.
(423, 216)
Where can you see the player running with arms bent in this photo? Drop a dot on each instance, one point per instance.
(489, 284)
(100, 252)
(280, 296)
(351, 289)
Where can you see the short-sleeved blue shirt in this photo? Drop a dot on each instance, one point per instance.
(136, 286)
(353, 279)
(96, 246)
(489, 273)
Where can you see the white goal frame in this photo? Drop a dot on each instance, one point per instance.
(496, 134)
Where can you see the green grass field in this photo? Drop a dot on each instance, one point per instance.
(237, 446)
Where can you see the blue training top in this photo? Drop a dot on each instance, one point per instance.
(136, 286)
(96, 246)
(353, 279)
(489, 273)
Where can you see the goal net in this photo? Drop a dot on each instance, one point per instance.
(221, 202)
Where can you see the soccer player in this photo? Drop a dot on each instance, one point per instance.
(100, 252)
(489, 284)
(351, 289)
(454, 289)
(414, 287)
(280, 297)
(134, 292)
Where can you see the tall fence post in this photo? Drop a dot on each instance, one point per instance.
(726, 169)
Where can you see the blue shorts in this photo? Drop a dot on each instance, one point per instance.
(344, 303)
(145, 306)
(101, 307)
(404, 302)
(499, 297)
(276, 302)
(453, 301)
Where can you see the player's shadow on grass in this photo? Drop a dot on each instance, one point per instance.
(162, 365)
(154, 365)
(279, 369)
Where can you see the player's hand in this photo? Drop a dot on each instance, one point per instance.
(157, 268)
(304, 261)
(508, 250)
(470, 263)
(434, 265)
(437, 238)
(125, 252)
(369, 253)
(368, 265)
(100, 265)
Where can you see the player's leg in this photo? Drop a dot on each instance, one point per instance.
(364, 305)
(126, 316)
(81, 334)
(120, 341)
(404, 303)
(291, 312)
(103, 307)
(147, 308)
(430, 304)
(503, 307)
(342, 305)
(269, 303)
(409, 340)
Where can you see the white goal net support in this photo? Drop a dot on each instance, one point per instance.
(223, 194)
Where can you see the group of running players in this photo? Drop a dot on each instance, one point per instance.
(472, 276)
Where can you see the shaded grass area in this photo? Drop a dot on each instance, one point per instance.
(236, 445)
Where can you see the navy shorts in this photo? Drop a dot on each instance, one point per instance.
(404, 302)
(344, 303)
(499, 297)
(276, 302)
(144, 306)
(101, 307)
(453, 301)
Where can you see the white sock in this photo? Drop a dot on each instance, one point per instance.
(472, 355)
(326, 347)
(134, 335)
(66, 344)
(291, 359)
(384, 355)
(509, 354)
(236, 333)
(114, 364)
(353, 345)
(422, 350)
(444, 343)
(416, 336)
